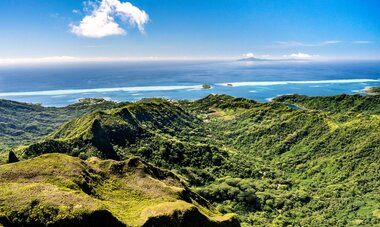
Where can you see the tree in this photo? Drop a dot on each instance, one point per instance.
(12, 157)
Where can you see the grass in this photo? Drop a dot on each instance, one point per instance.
(67, 188)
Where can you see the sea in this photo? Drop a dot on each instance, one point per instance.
(65, 83)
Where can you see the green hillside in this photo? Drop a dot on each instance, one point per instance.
(25, 122)
(303, 161)
(306, 167)
(71, 192)
(339, 103)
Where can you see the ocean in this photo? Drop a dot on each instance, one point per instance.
(65, 83)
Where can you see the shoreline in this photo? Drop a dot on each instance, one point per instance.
(96, 100)
(371, 90)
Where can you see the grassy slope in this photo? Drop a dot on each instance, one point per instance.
(270, 163)
(97, 193)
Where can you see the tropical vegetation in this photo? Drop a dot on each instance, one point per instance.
(298, 160)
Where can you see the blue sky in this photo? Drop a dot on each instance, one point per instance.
(339, 29)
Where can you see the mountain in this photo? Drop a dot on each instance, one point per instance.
(26, 122)
(297, 160)
(148, 128)
(71, 192)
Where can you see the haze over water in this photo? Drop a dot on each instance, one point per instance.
(63, 84)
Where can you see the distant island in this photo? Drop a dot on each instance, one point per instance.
(206, 86)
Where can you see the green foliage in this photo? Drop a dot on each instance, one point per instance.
(206, 86)
(304, 161)
(218, 101)
(12, 157)
(28, 122)
(338, 103)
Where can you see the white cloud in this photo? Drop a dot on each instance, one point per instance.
(249, 55)
(53, 59)
(75, 11)
(284, 44)
(289, 44)
(101, 21)
(300, 56)
(362, 42)
(328, 42)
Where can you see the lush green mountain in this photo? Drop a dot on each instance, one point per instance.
(308, 167)
(59, 190)
(338, 103)
(26, 122)
(294, 161)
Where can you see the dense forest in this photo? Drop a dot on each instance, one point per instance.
(296, 160)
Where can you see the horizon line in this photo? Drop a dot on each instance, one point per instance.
(73, 59)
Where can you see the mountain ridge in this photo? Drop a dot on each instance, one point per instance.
(270, 163)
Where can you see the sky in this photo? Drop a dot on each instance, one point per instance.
(57, 30)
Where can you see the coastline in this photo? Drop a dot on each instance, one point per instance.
(370, 90)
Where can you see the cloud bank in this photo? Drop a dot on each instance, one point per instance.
(294, 56)
(101, 22)
(53, 59)
(328, 42)
(299, 56)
